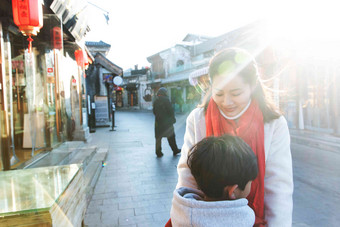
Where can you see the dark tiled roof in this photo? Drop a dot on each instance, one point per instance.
(191, 37)
(232, 36)
(106, 63)
(97, 44)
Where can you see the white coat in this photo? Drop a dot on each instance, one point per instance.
(278, 180)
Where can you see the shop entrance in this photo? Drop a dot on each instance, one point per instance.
(133, 98)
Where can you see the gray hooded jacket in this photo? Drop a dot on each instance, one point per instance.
(189, 209)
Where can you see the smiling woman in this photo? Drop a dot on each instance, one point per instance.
(239, 106)
(233, 98)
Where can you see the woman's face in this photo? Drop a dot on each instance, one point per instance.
(231, 96)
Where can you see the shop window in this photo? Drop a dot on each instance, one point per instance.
(179, 63)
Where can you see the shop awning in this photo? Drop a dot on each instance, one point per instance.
(199, 72)
(194, 76)
(154, 83)
(74, 15)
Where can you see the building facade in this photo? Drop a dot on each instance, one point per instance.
(301, 80)
(137, 93)
(174, 67)
(43, 95)
(102, 90)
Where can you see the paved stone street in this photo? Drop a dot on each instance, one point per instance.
(135, 188)
(316, 187)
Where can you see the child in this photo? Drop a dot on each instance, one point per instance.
(223, 168)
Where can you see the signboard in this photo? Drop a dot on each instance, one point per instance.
(57, 38)
(117, 80)
(74, 82)
(102, 111)
(49, 64)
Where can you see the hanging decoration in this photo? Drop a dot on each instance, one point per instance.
(81, 58)
(147, 94)
(28, 16)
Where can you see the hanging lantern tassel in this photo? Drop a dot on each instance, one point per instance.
(28, 16)
(30, 40)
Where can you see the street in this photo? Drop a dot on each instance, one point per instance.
(135, 187)
(316, 186)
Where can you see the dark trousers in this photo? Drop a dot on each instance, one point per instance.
(172, 143)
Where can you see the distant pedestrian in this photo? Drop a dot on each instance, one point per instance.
(164, 120)
(223, 168)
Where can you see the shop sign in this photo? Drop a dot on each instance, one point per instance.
(56, 38)
(49, 64)
(117, 80)
(50, 72)
(74, 82)
(102, 110)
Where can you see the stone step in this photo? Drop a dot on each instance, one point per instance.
(93, 171)
(52, 159)
(70, 146)
(83, 156)
(60, 155)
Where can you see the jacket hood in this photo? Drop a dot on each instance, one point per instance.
(162, 92)
(188, 209)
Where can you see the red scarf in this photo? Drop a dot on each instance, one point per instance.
(250, 128)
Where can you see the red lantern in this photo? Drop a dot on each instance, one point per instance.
(81, 58)
(86, 59)
(27, 15)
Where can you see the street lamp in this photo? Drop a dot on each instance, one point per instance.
(117, 80)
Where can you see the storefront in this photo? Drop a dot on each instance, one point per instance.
(40, 106)
(311, 100)
(132, 94)
(118, 96)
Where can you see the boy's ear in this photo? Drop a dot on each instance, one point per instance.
(229, 191)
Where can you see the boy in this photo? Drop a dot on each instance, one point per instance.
(223, 168)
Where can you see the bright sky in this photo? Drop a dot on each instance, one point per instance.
(138, 29)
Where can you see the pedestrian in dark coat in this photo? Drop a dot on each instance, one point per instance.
(164, 120)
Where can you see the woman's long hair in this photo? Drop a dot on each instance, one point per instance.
(238, 62)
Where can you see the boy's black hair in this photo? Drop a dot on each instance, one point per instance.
(217, 162)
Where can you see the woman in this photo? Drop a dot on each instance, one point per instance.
(238, 106)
